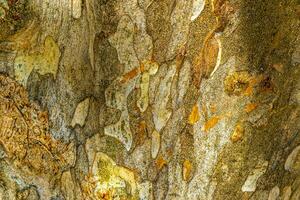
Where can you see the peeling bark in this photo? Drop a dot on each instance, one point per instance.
(144, 99)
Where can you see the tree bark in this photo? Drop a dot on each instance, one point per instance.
(146, 99)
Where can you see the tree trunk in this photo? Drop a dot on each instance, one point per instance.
(149, 99)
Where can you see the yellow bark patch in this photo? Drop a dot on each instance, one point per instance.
(155, 144)
(107, 180)
(250, 107)
(254, 81)
(187, 169)
(147, 69)
(238, 133)
(44, 62)
(81, 113)
(238, 83)
(194, 115)
(76, 8)
(211, 123)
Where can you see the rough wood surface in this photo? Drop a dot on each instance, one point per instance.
(149, 99)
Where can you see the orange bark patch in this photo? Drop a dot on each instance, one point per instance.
(210, 55)
(248, 91)
(278, 67)
(142, 126)
(213, 108)
(206, 61)
(204, 110)
(136, 71)
(142, 67)
(160, 162)
(223, 11)
(187, 169)
(252, 83)
(130, 75)
(211, 123)
(194, 116)
(250, 107)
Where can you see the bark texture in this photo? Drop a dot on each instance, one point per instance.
(149, 99)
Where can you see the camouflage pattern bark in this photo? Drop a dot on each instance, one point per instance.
(149, 99)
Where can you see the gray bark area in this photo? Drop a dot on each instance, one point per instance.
(149, 99)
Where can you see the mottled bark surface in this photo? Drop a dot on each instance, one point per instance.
(149, 99)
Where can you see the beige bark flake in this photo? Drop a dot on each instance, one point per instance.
(274, 193)
(250, 183)
(238, 133)
(3, 7)
(180, 20)
(116, 97)
(76, 8)
(90, 12)
(69, 155)
(144, 4)
(81, 113)
(292, 163)
(145, 190)
(45, 62)
(122, 40)
(67, 185)
(286, 193)
(150, 68)
(184, 80)
(198, 6)
(155, 144)
(143, 45)
(278, 67)
(2, 13)
(161, 113)
(218, 57)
